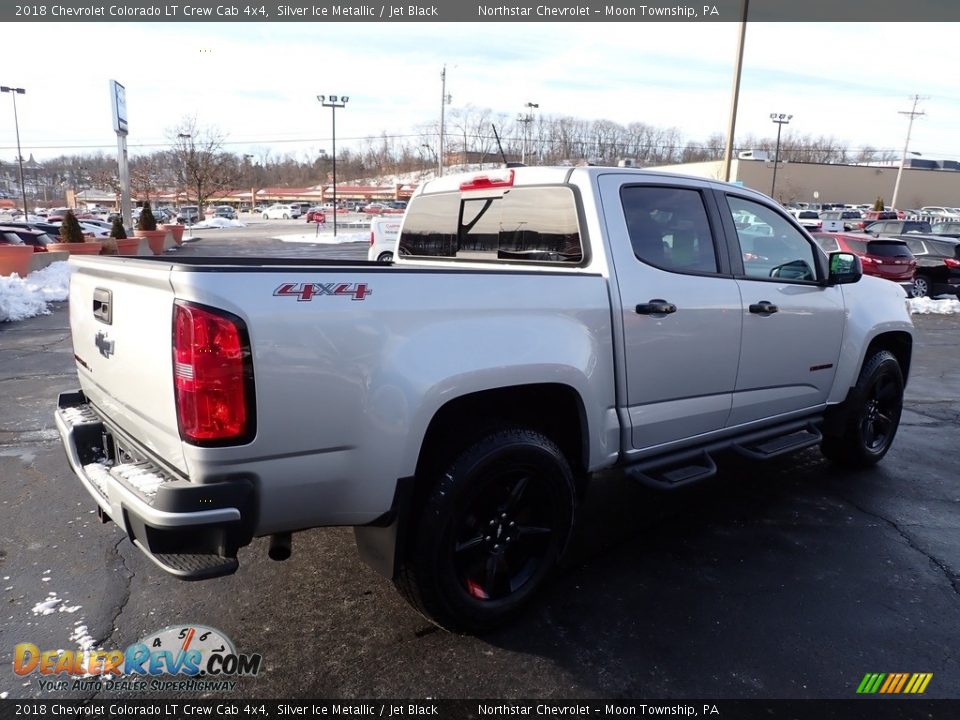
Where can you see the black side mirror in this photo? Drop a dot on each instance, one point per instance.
(844, 268)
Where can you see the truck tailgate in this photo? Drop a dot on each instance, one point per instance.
(121, 314)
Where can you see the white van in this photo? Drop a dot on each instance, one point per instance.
(384, 232)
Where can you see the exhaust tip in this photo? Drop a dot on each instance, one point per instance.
(280, 546)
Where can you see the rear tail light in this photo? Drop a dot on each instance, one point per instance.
(867, 260)
(371, 237)
(951, 263)
(212, 375)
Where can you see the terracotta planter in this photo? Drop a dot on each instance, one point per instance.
(154, 237)
(91, 247)
(128, 246)
(177, 230)
(15, 259)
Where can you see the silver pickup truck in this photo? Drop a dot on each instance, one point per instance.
(538, 325)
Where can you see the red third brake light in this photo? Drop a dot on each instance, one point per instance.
(485, 182)
(212, 375)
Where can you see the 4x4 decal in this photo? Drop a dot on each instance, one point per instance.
(307, 291)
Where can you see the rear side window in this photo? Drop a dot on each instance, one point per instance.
(828, 244)
(856, 246)
(526, 224)
(669, 229)
(883, 248)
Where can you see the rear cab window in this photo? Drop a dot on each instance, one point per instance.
(524, 224)
(669, 229)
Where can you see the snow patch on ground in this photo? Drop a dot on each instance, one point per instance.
(928, 306)
(326, 238)
(22, 298)
(218, 222)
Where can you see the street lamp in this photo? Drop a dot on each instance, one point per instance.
(780, 119)
(526, 119)
(16, 124)
(333, 102)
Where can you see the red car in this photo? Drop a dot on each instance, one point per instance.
(316, 215)
(884, 257)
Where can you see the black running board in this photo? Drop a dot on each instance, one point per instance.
(780, 444)
(686, 467)
(673, 473)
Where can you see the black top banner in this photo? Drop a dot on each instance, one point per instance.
(851, 11)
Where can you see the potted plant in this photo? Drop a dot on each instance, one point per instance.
(175, 229)
(124, 245)
(72, 239)
(147, 228)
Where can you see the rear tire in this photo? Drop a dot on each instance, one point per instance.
(385, 257)
(491, 530)
(871, 414)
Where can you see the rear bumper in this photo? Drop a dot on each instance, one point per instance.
(191, 530)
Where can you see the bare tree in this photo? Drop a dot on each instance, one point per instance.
(200, 162)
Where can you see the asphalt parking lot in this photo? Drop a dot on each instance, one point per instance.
(786, 580)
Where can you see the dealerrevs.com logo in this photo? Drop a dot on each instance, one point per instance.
(199, 658)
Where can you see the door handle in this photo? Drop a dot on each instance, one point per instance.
(656, 307)
(764, 308)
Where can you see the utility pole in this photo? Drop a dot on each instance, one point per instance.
(444, 99)
(732, 126)
(903, 158)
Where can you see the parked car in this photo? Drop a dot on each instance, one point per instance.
(281, 211)
(383, 239)
(946, 229)
(23, 236)
(304, 207)
(887, 258)
(810, 219)
(840, 220)
(316, 215)
(373, 209)
(938, 265)
(225, 211)
(53, 231)
(937, 210)
(456, 417)
(871, 216)
(898, 227)
(188, 215)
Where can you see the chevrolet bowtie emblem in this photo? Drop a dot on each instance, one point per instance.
(103, 345)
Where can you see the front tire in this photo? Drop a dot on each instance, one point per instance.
(871, 414)
(492, 528)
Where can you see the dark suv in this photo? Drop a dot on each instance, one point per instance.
(897, 227)
(938, 265)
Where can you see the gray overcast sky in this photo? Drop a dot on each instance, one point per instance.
(258, 82)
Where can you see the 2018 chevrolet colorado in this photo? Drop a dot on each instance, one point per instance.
(537, 325)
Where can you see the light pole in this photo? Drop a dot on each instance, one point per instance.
(780, 119)
(333, 102)
(526, 119)
(16, 124)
